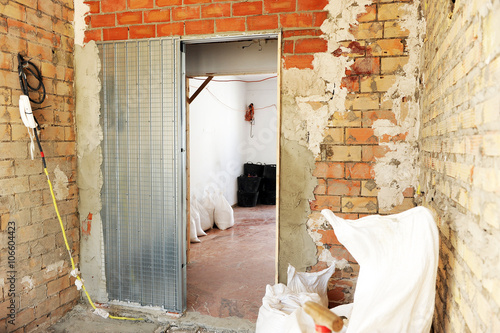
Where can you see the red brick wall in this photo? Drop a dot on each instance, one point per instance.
(41, 31)
(344, 169)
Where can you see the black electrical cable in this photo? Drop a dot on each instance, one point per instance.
(27, 67)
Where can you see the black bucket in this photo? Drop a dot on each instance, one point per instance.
(246, 199)
(267, 184)
(251, 169)
(268, 197)
(270, 171)
(248, 184)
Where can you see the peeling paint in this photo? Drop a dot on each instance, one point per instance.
(393, 178)
(60, 184)
(318, 93)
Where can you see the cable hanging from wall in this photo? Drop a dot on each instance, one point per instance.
(28, 72)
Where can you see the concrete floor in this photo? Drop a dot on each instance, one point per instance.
(229, 270)
(227, 275)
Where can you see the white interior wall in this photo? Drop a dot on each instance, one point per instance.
(216, 123)
(219, 136)
(262, 146)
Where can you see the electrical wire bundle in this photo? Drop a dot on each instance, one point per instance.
(28, 72)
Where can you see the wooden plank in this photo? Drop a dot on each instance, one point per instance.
(197, 92)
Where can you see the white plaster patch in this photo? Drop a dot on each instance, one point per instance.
(27, 282)
(57, 266)
(2, 282)
(398, 169)
(81, 11)
(60, 184)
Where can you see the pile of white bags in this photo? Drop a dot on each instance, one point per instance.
(281, 309)
(395, 291)
(212, 209)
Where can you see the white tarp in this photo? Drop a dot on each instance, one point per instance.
(398, 258)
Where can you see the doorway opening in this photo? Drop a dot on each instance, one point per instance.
(228, 270)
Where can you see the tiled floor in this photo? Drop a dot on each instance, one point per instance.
(229, 270)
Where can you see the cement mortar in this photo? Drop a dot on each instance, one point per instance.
(297, 184)
(89, 176)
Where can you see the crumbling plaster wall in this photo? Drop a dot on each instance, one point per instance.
(460, 159)
(348, 110)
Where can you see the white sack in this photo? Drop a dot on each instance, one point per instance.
(195, 216)
(205, 221)
(193, 238)
(209, 204)
(316, 282)
(281, 311)
(398, 257)
(223, 212)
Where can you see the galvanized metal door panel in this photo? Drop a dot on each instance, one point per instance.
(143, 193)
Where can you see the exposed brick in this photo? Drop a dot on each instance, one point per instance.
(342, 153)
(359, 171)
(294, 20)
(298, 61)
(230, 24)
(369, 30)
(390, 11)
(377, 83)
(94, 6)
(359, 205)
(391, 65)
(216, 10)
(306, 5)
(301, 32)
(371, 116)
(364, 66)
(262, 22)
(192, 2)
(139, 4)
(329, 170)
(168, 3)
(115, 33)
(105, 20)
(111, 6)
(325, 202)
(394, 29)
(346, 119)
(344, 187)
(371, 153)
(279, 6)
(170, 29)
(310, 45)
(13, 10)
(321, 187)
(162, 15)
(288, 46)
(369, 15)
(200, 27)
(328, 237)
(185, 13)
(247, 8)
(93, 35)
(386, 47)
(360, 136)
(129, 18)
(362, 102)
(351, 83)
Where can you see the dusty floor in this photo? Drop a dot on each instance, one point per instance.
(229, 270)
(81, 319)
(227, 275)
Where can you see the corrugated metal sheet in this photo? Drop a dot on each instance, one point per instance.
(142, 194)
